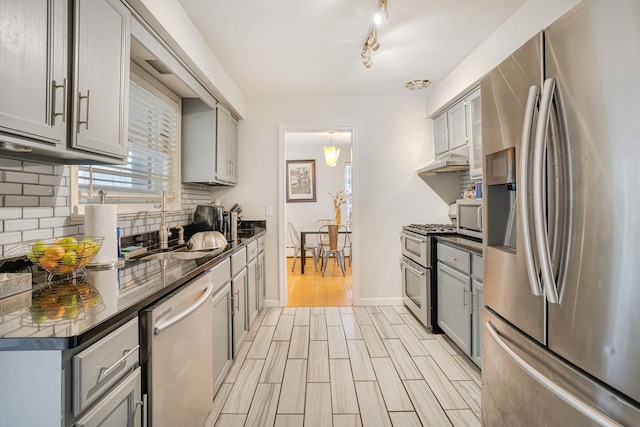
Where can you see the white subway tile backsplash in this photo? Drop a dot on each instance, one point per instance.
(37, 190)
(21, 201)
(10, 213)
(53, 201)
(56, 180)
(9, 238)
(54, 222)
(66, 231)
(37, 234)
(37, 212)
(10, 188)
(20, 224)
(63, 192)
(10, 164)
(21, 177)
(37, 168)
(35, 204)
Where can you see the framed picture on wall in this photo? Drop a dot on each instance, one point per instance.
(301, 181)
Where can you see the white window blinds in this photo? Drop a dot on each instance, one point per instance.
(152, 161)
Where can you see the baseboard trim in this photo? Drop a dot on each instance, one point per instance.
(271, 303)
(379, 301)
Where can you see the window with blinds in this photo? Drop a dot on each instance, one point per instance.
(152, 161)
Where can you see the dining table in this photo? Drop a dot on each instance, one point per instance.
(303, 240)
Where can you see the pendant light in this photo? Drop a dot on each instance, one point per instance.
(331, 153)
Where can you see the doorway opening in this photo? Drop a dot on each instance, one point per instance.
(315, 193)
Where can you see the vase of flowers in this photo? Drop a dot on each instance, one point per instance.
(338, 200)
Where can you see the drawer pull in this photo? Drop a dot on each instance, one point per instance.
(105, 372)
(450, 257)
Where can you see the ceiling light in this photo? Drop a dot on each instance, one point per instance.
(372, 43)
(331, 153)
(366, 57)
(382, 13)
(372, 40)
(417, 84)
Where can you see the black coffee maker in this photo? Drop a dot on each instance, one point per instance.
(210, 218)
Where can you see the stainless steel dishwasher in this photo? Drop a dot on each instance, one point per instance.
(179, 350)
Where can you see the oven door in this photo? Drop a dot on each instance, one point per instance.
(415, 289)
(416, 247)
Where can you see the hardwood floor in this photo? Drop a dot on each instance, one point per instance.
(347, 366)
(312, 290)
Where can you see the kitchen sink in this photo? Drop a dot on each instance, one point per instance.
(182, 255)
(175, 255)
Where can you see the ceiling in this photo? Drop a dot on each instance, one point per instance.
(303, 47)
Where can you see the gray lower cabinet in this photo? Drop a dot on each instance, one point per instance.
(64, 80)
(252, 291)
(239, 292)
(222, 335)
(121, 407)
(460, 276)
(454, 313)
(476, 322)
(261, 280)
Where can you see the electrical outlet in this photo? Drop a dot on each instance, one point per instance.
(268, 210)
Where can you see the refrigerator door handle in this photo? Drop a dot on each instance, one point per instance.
(578, 404)
(539, 215)
(527, 128)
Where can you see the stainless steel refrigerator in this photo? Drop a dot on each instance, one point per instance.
(561, 140)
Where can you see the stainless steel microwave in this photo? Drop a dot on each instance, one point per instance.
(470, 217)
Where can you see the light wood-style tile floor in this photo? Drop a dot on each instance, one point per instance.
(347, 366)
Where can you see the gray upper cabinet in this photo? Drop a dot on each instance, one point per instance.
(226, 136)
(456, 123)
(33, 76)
(101, 77)
(223, 164)
(208, 144)
(441, 134)
(49, 92)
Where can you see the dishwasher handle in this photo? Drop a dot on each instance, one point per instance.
(204, 298)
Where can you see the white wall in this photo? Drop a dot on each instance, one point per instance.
(389, 146)
(328, 180)
(532, 17)
(170, 15)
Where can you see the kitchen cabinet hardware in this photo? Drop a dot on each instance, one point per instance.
(86, 120)
(54, 91)
(167, 323)
(117, 365)
(236, 299)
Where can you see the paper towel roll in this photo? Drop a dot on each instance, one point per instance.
(102, 221)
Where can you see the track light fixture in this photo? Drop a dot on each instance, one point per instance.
(382, 13)
(372, 39)
(371, 42)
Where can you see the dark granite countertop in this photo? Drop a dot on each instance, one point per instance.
(463, 242)
(78, 311)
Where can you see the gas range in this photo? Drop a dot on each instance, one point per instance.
(427, 229)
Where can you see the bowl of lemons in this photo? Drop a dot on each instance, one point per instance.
(64, 255)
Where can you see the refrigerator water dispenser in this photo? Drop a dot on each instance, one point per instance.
(501, 197)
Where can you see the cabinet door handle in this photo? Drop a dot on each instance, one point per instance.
(464, 297)
(143, 406)
(105, 372)
(236, 299)
(54, 90)
(86, 121)
(450, 257)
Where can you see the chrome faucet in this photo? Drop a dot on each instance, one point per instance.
(163, 234)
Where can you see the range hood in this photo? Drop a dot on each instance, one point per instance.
(449, 163)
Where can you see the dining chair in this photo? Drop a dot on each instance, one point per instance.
(295, 239)
(322, 239)
(335, 248)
